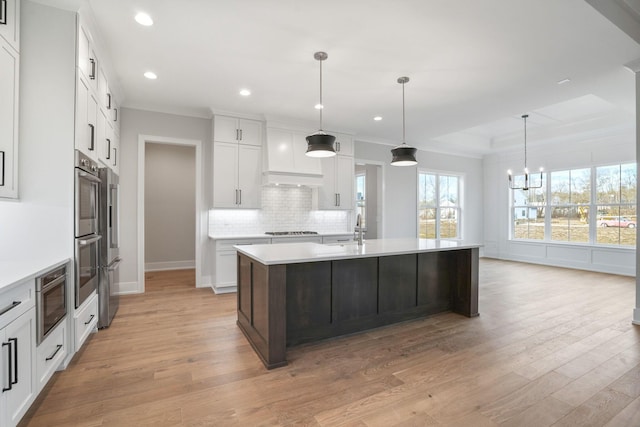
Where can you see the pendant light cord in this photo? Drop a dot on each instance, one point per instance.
(525, 142)
(321, 104)
(403, 135)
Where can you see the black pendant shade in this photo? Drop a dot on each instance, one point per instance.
(320, 144)
(404, 155)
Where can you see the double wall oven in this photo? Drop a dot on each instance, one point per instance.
(87, 237)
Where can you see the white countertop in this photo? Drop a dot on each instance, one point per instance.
(292, 253)
(270, 236)
(15, 272)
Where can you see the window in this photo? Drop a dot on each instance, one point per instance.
(562, 210)
(361, 197)
(439, 212)
(570, 202)
(528, 210)
(616, 199)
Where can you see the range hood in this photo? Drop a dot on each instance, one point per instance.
(285, 161)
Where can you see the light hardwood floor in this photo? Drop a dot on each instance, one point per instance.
(551, 347)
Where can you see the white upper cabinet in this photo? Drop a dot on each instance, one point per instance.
(9, 84)
(343, 144)
(87, 58)
(10, 22)
(87, 132)
(241, 131)
(236, 175)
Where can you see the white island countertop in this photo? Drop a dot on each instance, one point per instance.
(293, 253)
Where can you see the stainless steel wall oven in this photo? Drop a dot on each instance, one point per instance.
(87, 196)
(51, 301)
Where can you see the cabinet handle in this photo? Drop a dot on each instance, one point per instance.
(240, 191)
(240, 135)
(10, 307)
(15, 362)
(115, 156)
(115, 118)
(2, 174)
(10, 360)
(339, 199)
(3, 16)
(338, 144)
(92, 76)
(90, 319)
(108, 101)
(237, 134)
(93, 134)
(108, 148)
(236, 201)
(58, 347)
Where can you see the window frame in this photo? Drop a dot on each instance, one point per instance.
(438, 208)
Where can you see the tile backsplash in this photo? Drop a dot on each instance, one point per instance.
(283, 209)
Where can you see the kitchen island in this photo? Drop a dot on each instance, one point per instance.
(296, 293)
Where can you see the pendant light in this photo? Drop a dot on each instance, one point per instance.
(526, 185)
(320, 144)
(403, 155)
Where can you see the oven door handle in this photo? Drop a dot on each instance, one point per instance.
(114, 264)
(88, 176)
(84, 242)
(52, 284)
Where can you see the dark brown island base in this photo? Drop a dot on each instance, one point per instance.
(295, 293)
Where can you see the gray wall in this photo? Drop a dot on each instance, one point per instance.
(170, 206)
(401, 189)
(135, 123)
(39, 226)
(372, 201)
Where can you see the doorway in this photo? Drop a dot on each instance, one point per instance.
(369, 196)
(169, 170)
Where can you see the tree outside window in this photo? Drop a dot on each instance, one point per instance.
(439, 212)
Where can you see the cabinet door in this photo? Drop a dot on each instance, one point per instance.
(225, 175)
(86, 119)
(226, 265)
(115, 152)
(115, 115)
(103, 142)
(10, 22)
(21, 333)
(327, 195)
(344, 144)
(87, 59)
(9, 84)
(225, 129)
(249, 176)
(103, 90)
(250, 132)
(345, 176)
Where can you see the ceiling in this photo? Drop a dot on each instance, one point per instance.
(475, 66)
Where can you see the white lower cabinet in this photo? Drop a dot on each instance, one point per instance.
(85, 320)
(225, 268)
(50, 354)
(16, 366)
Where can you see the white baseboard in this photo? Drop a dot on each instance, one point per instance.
(128, 288)
(636, 316)
(169, 265)
(224, 289)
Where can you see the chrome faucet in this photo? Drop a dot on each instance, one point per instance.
(358, 230)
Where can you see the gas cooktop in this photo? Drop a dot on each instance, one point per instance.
(290, 233)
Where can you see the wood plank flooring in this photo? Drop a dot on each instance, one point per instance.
(552, 347)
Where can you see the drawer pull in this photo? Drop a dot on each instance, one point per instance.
(11, 307)
(10, 362)
(58, 347)
(3, 12)
(90, 319)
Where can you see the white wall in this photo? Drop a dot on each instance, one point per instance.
(40, 224)
(170, 200)
(401, 189)
(600, 150)
(135, 123)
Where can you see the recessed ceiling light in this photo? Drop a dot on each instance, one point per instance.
(144, 19)
(318, 106)
(245, 92)
(563, 81)
(377, 118)
(150, 75)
